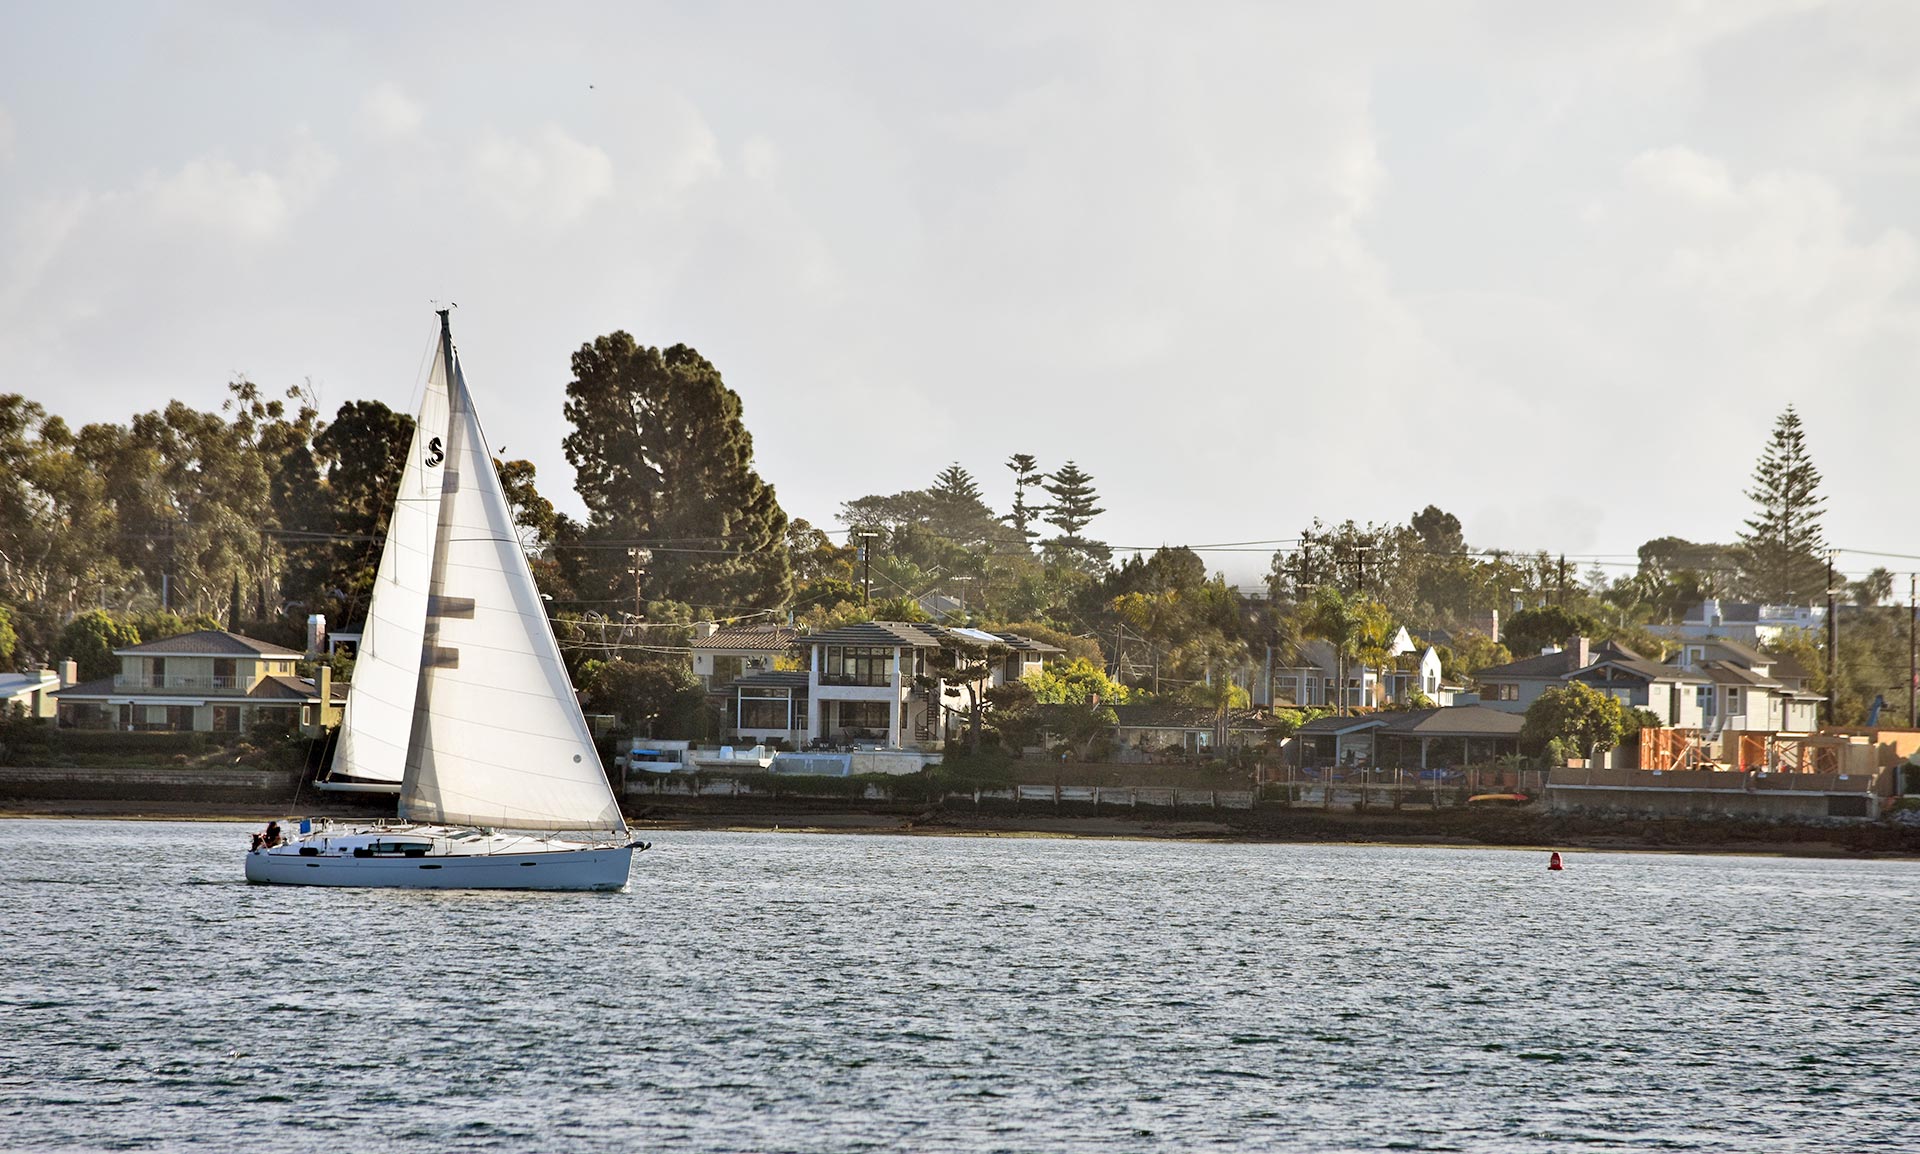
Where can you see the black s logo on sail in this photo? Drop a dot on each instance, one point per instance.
(435, 455)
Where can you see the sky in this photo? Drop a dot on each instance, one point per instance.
(1554, 267)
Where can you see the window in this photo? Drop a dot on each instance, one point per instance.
(859, 665)
(864, 715)
(223, 673)
(1733, 699)
(226, 719)
(763, 713)
(1500, 691)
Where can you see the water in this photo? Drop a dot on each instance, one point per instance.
(772, 992)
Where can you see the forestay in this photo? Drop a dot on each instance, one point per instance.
(498, 738)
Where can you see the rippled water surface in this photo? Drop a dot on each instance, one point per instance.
(832, 993)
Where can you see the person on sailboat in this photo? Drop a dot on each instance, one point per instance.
(270, 838)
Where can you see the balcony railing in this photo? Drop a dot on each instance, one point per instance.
(180, 683)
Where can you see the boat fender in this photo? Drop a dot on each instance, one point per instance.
(1553, 863)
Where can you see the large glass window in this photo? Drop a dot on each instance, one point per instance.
(864, 715)
(763, 713)
(859, 665)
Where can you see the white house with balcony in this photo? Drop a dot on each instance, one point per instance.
(207, 681)
(875, 682)
(724, 654)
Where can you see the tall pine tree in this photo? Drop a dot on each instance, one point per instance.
(1026, 474)
(1074, 507)
(1783, 542)
(664, 462)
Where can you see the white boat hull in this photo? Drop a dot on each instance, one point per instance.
(433, 861)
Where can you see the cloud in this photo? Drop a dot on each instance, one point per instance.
(552, 179)
(388, 112)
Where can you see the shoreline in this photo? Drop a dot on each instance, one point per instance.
(1521, 830)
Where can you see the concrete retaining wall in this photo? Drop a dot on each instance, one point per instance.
(154, 783)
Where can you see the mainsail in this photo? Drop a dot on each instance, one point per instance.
(496, 735)
(379, 716)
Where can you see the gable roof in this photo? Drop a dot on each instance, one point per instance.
(278, 687)
(208, 643)
(1454, 721)
(763, 638)
(770, 679)
(1743, 654)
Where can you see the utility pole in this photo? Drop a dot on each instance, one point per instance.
(866, 580)
(1913, 654)
(1560, 582)
(1833, 641)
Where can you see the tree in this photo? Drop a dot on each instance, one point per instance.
(1531, 630)
(1577, 715)
(962, 667)
(1077, 682)
(90, 640)
(1357, 628)
(654, 698)
(956, 512)
(1075, 505)
(1873, 589)
(9, 639)
(663, 459)
(1784, 542)
(1026, 474)
(364, 452)
(1439, 531)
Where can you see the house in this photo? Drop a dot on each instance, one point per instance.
(31, 693)
(1444, 736)
(1743, 694)
(1307, 673)
(207, 681)
(1194, 729)
(1416, 673)
(721, 656)
(1748, 622)
(1518, 684)
(874, 681)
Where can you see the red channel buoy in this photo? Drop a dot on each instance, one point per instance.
(1553, 863)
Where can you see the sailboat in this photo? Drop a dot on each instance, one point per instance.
(460, 701)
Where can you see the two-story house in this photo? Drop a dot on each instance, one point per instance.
(877, 682)
(1743, 694)
(208, 681)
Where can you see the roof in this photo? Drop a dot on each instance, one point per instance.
(1645, 670)
(98, 688)
(1744, 654)
(1545, 667)
(923, 635)
(1020, 643)
(1786, 668)
(1454, 721)
(13, 683)
(1323, 726)
(209, 643)
(1728, 673)
(769, 638)
(877, 633)
(1180, 717)
(281, 688)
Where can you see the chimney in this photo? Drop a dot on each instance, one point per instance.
(704, 629)
(69, 673)
(1577, 652)
(316, 634)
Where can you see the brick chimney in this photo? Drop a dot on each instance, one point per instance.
(69, 673)
(1577, 652)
